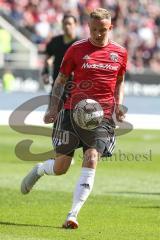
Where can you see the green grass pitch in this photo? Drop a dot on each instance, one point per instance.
(124, 204)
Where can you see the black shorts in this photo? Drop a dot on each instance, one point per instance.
(67, 136)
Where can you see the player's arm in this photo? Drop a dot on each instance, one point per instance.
(57, 93)
(119, 90)
(119, 95)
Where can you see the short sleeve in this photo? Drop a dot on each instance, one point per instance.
(68, 62)
(123, 65)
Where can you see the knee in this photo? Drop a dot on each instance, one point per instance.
(61, 165)
(60, 171)
(91, 158)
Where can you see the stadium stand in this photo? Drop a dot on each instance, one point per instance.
(136, 24)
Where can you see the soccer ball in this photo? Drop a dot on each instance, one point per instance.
(88, 114)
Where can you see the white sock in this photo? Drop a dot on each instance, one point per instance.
(83, 189)
(46, 168)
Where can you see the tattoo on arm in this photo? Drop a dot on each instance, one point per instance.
(63, 77)
(59, 85)
(58, 89)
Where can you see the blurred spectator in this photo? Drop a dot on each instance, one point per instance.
(5, 41)
(136, 24)
(8, 80)
(155, 62)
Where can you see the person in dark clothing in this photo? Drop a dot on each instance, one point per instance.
(58, 46)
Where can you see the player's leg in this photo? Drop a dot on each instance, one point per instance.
(84, 186)
(104, 146)
(57, 166)
(64, 153)
(103, 141)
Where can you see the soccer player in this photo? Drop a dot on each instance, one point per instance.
(99, 64)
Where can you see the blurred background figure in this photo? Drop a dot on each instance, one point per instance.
(8, 81)
(5, 41)
(57, 47)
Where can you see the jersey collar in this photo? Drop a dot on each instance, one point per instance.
(98, 46)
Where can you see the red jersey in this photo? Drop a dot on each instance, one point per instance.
(95, 72)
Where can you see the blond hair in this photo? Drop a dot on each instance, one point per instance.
(100, 13)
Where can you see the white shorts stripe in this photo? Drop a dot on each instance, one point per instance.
(55, 139)
(112, 144)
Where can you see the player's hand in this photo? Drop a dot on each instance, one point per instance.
(120, 114)
(50, 116)
(45, 78)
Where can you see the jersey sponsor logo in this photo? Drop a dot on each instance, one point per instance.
(100, 66)
(114, 56)
(86, 57)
